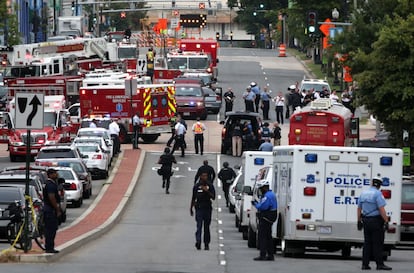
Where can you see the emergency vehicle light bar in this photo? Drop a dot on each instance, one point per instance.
(311, 158)
(386, 161)
(259, 161)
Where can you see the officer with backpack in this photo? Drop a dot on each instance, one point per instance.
(226, 175)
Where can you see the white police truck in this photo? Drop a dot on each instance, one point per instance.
(252, 162)
(318, 189)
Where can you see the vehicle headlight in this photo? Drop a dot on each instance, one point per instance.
(17, 143)
(200, 103)
(51, 142)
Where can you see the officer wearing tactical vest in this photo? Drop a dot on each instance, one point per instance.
(373, 218)
(150, 62)
(198, 130)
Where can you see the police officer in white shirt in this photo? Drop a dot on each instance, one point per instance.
(114, 131)
(136, 123)
(179, 137)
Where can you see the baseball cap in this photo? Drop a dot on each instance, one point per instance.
(51, 170)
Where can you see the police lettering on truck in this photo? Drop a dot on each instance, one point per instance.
(318, 188)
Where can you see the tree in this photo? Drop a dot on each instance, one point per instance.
(385, 85)
(9, 24)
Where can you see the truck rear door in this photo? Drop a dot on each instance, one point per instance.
(344, 183)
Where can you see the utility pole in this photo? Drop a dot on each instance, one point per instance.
(54, 18)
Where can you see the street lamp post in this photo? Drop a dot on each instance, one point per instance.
(335, 17)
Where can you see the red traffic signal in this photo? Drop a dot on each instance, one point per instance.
(201, 5)
(123, 14)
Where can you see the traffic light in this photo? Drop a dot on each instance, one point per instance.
(123, 15)
(73, 5)
(312, 22)
(217, 36)
(173, 3)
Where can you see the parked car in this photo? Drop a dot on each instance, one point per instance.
(190, 100)
(380, 140)
(8, 195)
(103, 122)
(97, 160)
(212, 100)
(72, 185)
(58, 151)
(99, 140)
(97, 132)
(228, 126)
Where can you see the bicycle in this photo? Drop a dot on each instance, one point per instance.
(15, 229)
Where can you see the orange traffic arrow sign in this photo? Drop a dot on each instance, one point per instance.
(324, 28)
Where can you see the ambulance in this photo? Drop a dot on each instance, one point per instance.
(252, 162)
(318, 188)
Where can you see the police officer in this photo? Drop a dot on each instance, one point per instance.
(136, 124)
(180, 132)
(51, 210)
(228, 99)
(203, 193)
(173, 122)
(198, 129)
(114, 131)
(205, 168)
(166, 160)
(226, 175)
(267, 209)
(150, 62)
(373, 218)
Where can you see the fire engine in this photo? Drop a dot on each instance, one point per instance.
(56, 128)
(207, 46)
(109, 96)
(190, 61)
(124, 51)
(318, 188)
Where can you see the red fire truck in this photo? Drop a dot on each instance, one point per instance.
(207, 46)
(322, 123)
(56, 129)
(68, 86)
(154, 103)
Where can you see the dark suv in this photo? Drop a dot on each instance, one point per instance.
(190, 100)
(228, 126)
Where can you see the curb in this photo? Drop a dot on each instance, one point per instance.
(97, 232)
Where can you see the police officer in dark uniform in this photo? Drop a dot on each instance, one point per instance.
(267, 213)
(226, 175)
(166, 160)
(51, 210)
(203, 193)
(373, 218)
(205, 168)
(228, 99)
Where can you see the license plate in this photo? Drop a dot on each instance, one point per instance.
(33, 151)
(186, 114)
(324, 229)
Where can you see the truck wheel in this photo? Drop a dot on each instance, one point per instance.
(13, 158)
(231, 208)
(204, 116)
(149, 138)
(251, 238)
(236, 222)
(245, 233)
(223, 150)
(346, 252)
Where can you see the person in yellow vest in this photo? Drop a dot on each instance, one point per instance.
(150, 62)
(198, 130)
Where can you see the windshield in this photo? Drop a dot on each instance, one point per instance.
(316, 86)
(49, 119)
(199, 63)
(182, 91)
(88, 149)
(127, 53)
(408, 194)
(186, 62)
(66, 174)
(9, 196)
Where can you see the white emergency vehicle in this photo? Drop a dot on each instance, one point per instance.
(252, 162)
(318, 188)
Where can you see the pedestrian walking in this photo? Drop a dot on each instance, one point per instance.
(265, 98)
(267, 208)
(226, 176)
(205, 168)
(229, 100)
(276, 134)
(51, 210)
(279, 105)
(198, 130)
(249, 99)
(236, 139)
(136, 125)
(173, 122)
(179, 142)
(166, 160)
(373, 218)
(203, 194)
(114, 131)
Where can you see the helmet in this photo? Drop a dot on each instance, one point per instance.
(263, 183)
(248, 87)
(253, 84)
(292, 87)
(376, 181)
(225, 164)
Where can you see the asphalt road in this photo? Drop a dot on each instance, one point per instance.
(156, 232)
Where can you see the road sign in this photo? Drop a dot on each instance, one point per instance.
(29, 110)
(325, 27)
(174, 22)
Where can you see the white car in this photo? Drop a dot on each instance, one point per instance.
(242, 210)
(73, 186)
(99, 140)
(96, 159)
(97, 132)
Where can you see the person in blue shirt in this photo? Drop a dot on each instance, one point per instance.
(267, 208)
(266, 146)
(372, 214)
(256, 90)
(265, 97)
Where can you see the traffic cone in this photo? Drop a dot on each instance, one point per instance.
(282, 50)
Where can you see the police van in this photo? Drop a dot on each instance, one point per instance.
(318, 189)
(252, 162)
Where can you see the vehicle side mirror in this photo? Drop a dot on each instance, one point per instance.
(247, 190)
